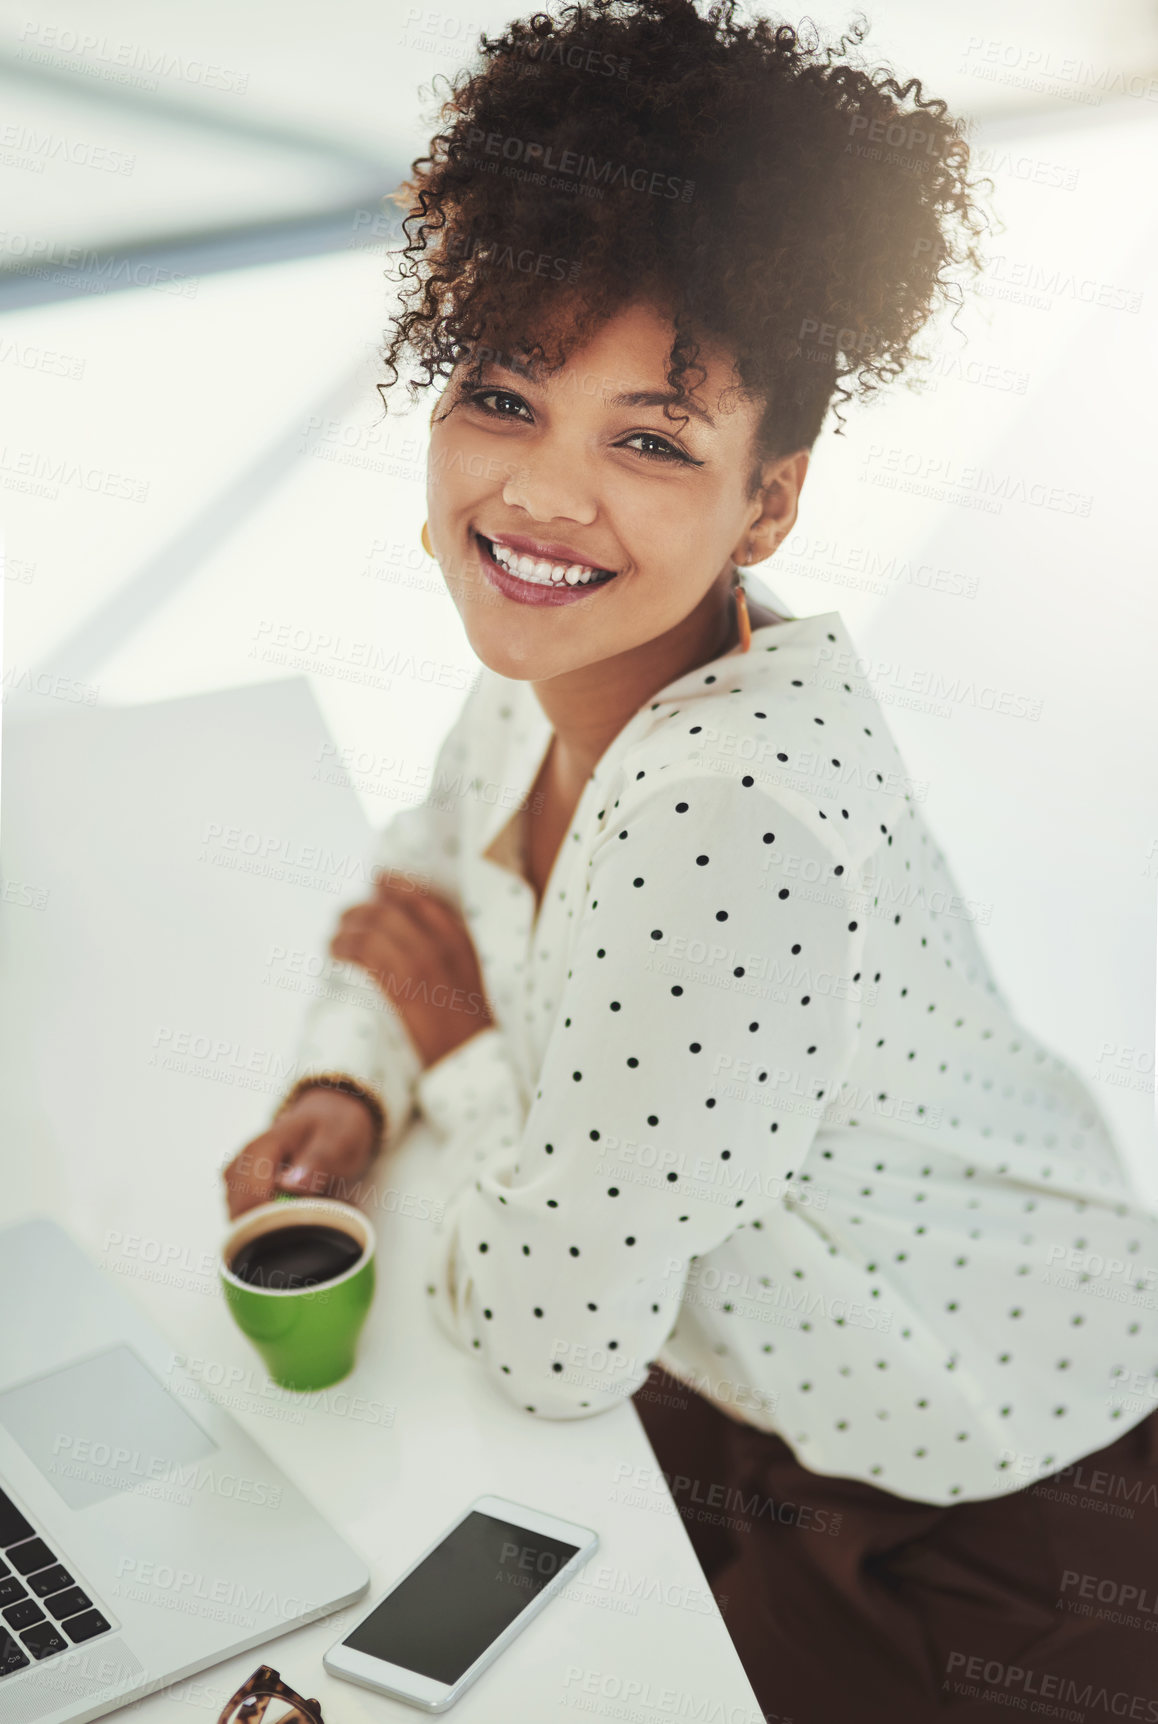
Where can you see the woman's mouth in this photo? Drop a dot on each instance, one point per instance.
(532, 582)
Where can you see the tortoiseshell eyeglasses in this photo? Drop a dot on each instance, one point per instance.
(265, 1699)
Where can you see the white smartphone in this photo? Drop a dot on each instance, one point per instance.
(461, 1603)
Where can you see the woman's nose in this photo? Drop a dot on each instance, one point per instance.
(550, 487)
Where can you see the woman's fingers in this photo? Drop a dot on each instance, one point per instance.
(410, 915)
(373, 915)
(251, 1176)
(323, 1172)
(383, 916)
(429, 908)
(377, 953)
(330, 1162)
(408, 937)
(418, 949)
(429, 918)
(365, 929)
(436, 917)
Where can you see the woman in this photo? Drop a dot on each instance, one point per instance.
(746, 1126)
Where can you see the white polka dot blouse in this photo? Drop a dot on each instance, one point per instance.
(753, 1105)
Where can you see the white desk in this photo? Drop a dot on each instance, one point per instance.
(133, 929)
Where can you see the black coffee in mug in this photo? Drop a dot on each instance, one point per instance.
(293, 1257)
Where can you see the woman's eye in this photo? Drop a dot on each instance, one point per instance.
(481, 395)
(665, 452)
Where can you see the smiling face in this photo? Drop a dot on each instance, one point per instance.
(580, 476)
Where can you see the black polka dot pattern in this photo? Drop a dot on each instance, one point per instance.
(755, 1105)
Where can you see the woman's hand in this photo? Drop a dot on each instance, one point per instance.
(419, 951)
(319, 1147)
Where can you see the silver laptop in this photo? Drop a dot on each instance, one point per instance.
(143, 1535)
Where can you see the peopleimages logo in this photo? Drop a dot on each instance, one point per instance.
(546, 159)
(991, 1679)
(502, 255)
(140, 1579)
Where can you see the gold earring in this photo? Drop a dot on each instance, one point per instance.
(742, 619)
(425, 537)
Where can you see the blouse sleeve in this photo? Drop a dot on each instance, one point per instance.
(709, 1016)
(352, 1028)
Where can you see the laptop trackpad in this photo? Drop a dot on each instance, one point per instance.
(101, 1426)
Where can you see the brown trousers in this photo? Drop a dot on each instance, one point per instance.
(846, 1603)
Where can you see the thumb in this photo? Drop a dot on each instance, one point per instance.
(304, 1170)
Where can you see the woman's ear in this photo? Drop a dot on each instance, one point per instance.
(779, 497)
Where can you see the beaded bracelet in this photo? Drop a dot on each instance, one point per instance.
(344, 1086)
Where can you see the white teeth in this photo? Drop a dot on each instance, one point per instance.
(542, 572)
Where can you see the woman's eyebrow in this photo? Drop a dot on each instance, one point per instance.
(629, 398)
(658, 398)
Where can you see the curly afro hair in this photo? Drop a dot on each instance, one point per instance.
(762, 191)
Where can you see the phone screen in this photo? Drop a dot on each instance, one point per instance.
(448, 1610)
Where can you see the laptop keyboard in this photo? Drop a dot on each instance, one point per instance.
(42, 1609)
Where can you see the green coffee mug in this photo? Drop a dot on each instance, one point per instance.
(307, 1336)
